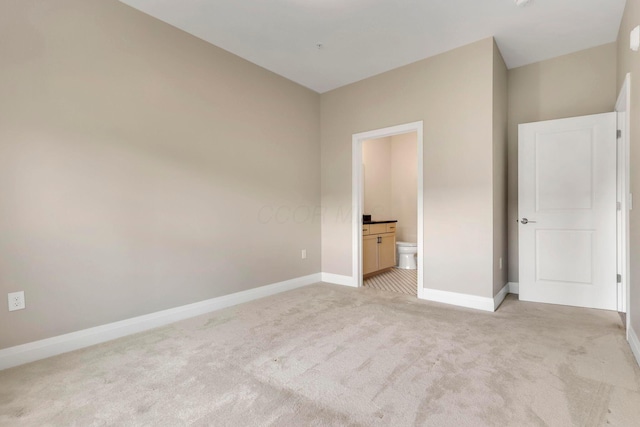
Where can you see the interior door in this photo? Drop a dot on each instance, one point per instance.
(567, 209)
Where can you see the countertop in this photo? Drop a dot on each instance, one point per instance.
(380, 222)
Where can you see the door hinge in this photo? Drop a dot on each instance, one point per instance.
(619, 133)
(619, 278)
(618, 206)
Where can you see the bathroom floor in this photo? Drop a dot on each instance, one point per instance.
(396, 280)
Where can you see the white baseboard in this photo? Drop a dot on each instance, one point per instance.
(514, 287)
(500, 296)
(25, 353)
(338, 279)
(634, 343)
(461, 300)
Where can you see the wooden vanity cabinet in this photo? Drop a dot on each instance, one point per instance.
(378, 247)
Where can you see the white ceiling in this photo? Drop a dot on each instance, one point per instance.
(362, 38)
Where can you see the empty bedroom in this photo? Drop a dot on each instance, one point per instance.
(196, 230)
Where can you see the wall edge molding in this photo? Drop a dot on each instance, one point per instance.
(634, 343)
(514, 288)
(458, 299)
(500, 296)
(48, 347)
(338, 279)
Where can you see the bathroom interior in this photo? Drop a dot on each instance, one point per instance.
(390, 222)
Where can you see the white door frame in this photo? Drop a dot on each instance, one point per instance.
(358, 195)
(624, 197)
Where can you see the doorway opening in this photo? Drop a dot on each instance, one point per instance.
(368, 239)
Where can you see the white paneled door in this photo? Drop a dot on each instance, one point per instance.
(567, 211)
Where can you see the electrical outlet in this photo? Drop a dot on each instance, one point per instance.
(303, 254)
(16, 300)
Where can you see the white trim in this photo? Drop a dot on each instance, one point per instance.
(461, 300)
(420, 242)
(339, 279)
(30, 352)
(500, 296)
(623, 107)
(634, 343)
(357, 195)
(514, 287)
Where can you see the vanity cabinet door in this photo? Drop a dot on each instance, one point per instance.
(387, 251)
(369, 254)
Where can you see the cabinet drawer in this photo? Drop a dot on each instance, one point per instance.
(377, 228)
(391, 227)
(365, 229)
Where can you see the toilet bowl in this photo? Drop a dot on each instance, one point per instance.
(407, 254)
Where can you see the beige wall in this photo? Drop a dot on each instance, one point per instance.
(452, 94)
(629, 62)
(376, 161)
(578, 84)
(500, 98)
(142, 168)
(404, 185)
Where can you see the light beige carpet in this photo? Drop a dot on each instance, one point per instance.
(327, 355)
(395, 280)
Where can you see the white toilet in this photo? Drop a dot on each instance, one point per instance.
(407, 254)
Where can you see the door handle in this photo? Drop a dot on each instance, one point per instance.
(526, 221)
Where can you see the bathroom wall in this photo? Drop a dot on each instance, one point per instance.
(391, 182)
(404, 185)
(376, 159)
